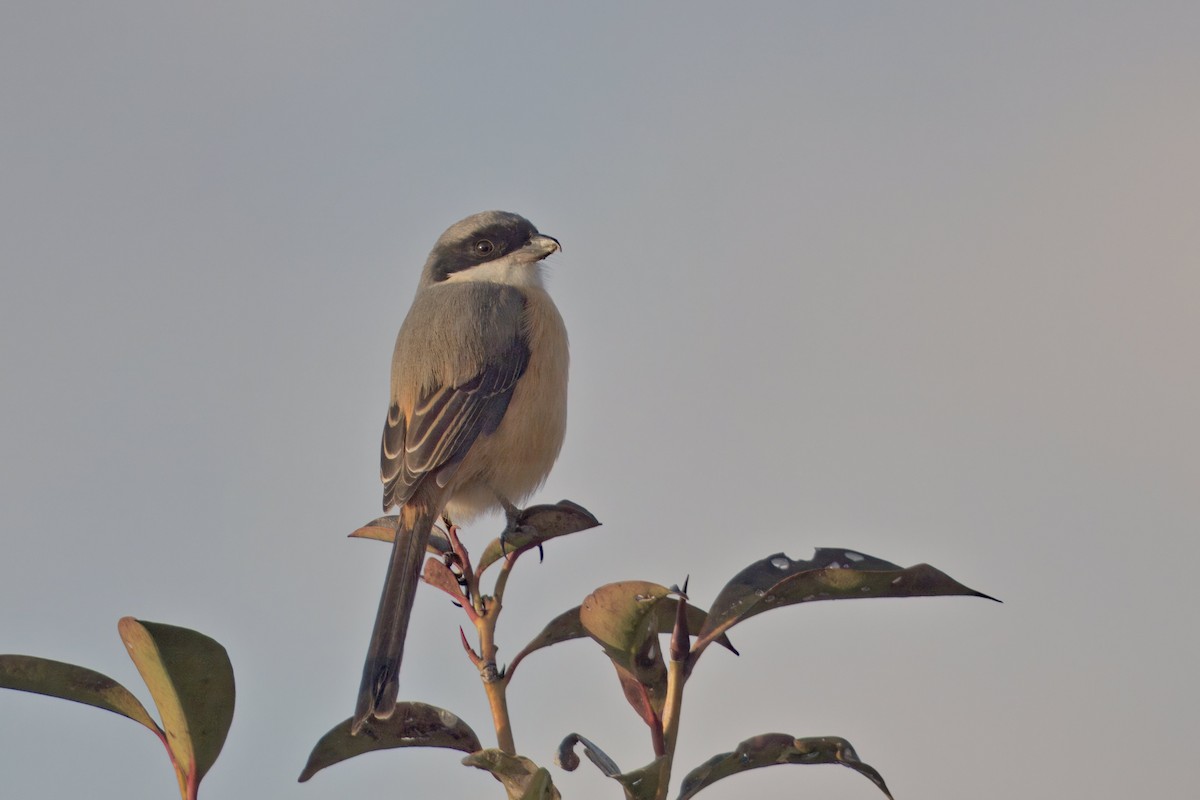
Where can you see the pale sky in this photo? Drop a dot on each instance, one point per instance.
(916, 279)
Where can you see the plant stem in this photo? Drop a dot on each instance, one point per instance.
(672, 708)
(495, 685)
(505, 568)
(498, 700)
(495, 682)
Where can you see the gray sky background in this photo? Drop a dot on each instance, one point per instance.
(916, 279)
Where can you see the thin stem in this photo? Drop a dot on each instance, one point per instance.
(672, 708)
(656, 735)
(498, 700)
(510, 561)
(511, 668)
(495, 684)
(506, 566)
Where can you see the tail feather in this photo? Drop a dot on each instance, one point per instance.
(380, 681)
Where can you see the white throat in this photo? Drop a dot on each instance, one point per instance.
(507, 270)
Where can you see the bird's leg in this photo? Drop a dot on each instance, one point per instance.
(452, 559)
(513, 516)
(457, 559)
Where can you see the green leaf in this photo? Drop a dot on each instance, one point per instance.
(538, 524)
(191, 681)
(642, 783)
(411, 725)
(622, 616)
(563, 628)
(566, 626)
(769, 749)
(540, 786)
(383, 529)
(518, 774)
(56, 679)
(832, 574)
(625, 618)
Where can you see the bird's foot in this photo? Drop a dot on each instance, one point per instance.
(458, 560)
(514, 523)
(512, 517)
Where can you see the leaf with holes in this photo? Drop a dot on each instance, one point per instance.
(770, 749)
(831, 574)
(411, 725)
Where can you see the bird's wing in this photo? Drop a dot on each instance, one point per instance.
(446, 420)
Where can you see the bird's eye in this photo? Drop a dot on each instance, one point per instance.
(484, 247)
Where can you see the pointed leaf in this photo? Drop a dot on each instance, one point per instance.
(538, 524)
(566, 626)
(626, 618)
(622, 616)
(777, 748)
(681, 641)
(57, 679)
(383, 529)
(191, 681)
(439, 576)
(517, 773)
(563, 628)
(832, 574)
(646, 692)
(411, 725)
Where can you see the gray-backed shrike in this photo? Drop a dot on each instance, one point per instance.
(478, 408)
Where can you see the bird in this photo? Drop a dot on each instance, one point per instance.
(478, 409)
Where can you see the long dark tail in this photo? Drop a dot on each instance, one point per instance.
(381, 672)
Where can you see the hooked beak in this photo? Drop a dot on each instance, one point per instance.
(539, 247)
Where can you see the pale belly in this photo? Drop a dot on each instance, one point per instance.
(526, 444)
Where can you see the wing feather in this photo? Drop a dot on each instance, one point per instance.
(446, 421)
